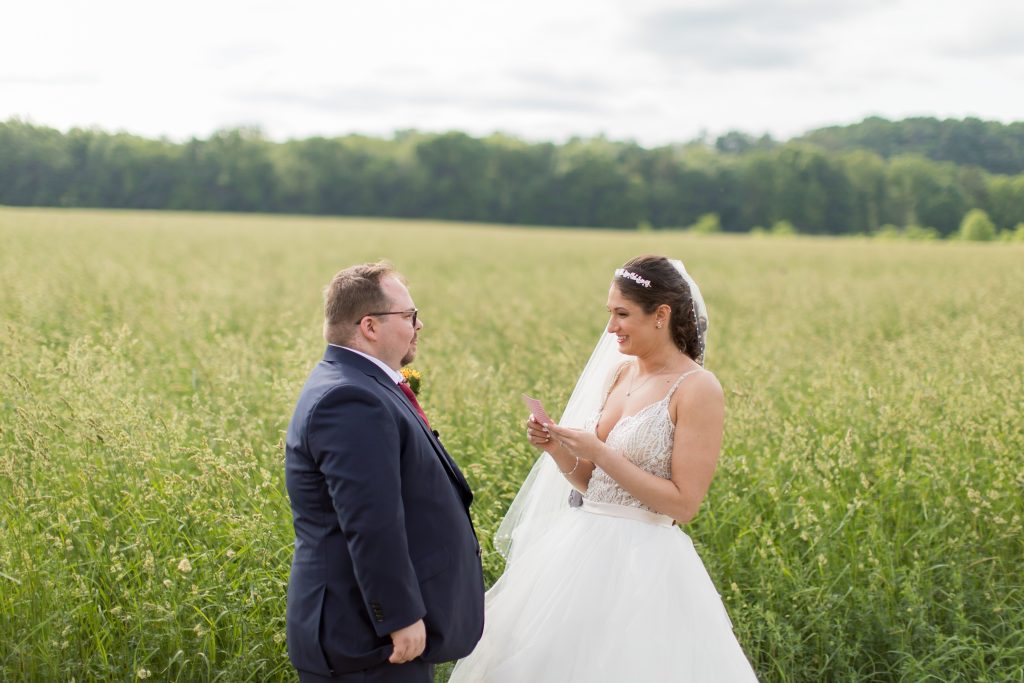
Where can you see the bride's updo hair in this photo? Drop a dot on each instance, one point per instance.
(666, 286)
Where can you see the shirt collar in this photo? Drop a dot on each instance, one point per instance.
(395, 375)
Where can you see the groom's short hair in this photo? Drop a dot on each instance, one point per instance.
(352, 294)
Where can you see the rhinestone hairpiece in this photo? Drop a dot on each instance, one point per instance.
(622, 272)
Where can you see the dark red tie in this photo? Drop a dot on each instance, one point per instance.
(407, 390)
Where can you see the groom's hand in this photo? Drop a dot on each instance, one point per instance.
(409, 643)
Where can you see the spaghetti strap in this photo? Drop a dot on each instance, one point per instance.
(668, 397)
(611, 385)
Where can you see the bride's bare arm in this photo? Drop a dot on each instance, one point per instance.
(699, 417)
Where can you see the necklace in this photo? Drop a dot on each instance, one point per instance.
(629, 392)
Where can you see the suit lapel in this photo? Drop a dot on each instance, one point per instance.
(335, 354)
(442, 454)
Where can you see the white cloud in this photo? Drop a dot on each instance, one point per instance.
(649, 70)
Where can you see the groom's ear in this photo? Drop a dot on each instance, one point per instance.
(368, 328)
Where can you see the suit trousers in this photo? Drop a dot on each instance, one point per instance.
(416, 671)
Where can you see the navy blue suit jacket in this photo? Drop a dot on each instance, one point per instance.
(383, 535)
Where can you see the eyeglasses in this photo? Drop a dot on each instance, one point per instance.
(414, 312)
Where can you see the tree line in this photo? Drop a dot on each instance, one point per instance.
(994, 146)
(740, 182)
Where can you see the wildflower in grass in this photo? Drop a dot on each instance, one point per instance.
(167, 583)
(143, 673)
(413, 377)
(184, 566)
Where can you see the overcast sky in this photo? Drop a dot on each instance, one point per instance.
(648, 70)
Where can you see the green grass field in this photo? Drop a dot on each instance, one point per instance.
(865, 523)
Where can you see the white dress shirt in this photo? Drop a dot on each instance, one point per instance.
(395, 375)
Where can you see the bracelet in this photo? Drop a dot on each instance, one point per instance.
(573, 467)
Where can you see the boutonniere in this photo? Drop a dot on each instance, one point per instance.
(413, 377)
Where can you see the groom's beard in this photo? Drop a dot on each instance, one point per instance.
(409, 356)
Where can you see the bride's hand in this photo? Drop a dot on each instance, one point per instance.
(581, 444)
(539, 439)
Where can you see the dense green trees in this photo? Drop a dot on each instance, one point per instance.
(735, 184)
(971, 142)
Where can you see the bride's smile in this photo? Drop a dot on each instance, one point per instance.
(636, 332)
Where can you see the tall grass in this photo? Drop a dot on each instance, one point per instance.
(865, 522)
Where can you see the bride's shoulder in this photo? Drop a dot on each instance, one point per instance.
(699, 401)
(700, 388)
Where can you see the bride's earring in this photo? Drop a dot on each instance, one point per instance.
(659, 324)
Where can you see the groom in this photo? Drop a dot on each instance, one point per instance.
(386, 576)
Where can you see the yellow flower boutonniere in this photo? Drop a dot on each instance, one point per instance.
(413, 377)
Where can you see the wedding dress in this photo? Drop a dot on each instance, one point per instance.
(609, 591)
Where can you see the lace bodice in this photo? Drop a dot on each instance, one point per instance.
(646, 439)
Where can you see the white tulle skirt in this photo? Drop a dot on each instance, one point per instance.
(612, 594)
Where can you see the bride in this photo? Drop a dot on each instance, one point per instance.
(606, 587)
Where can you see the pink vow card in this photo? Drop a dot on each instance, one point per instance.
(537, 410)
